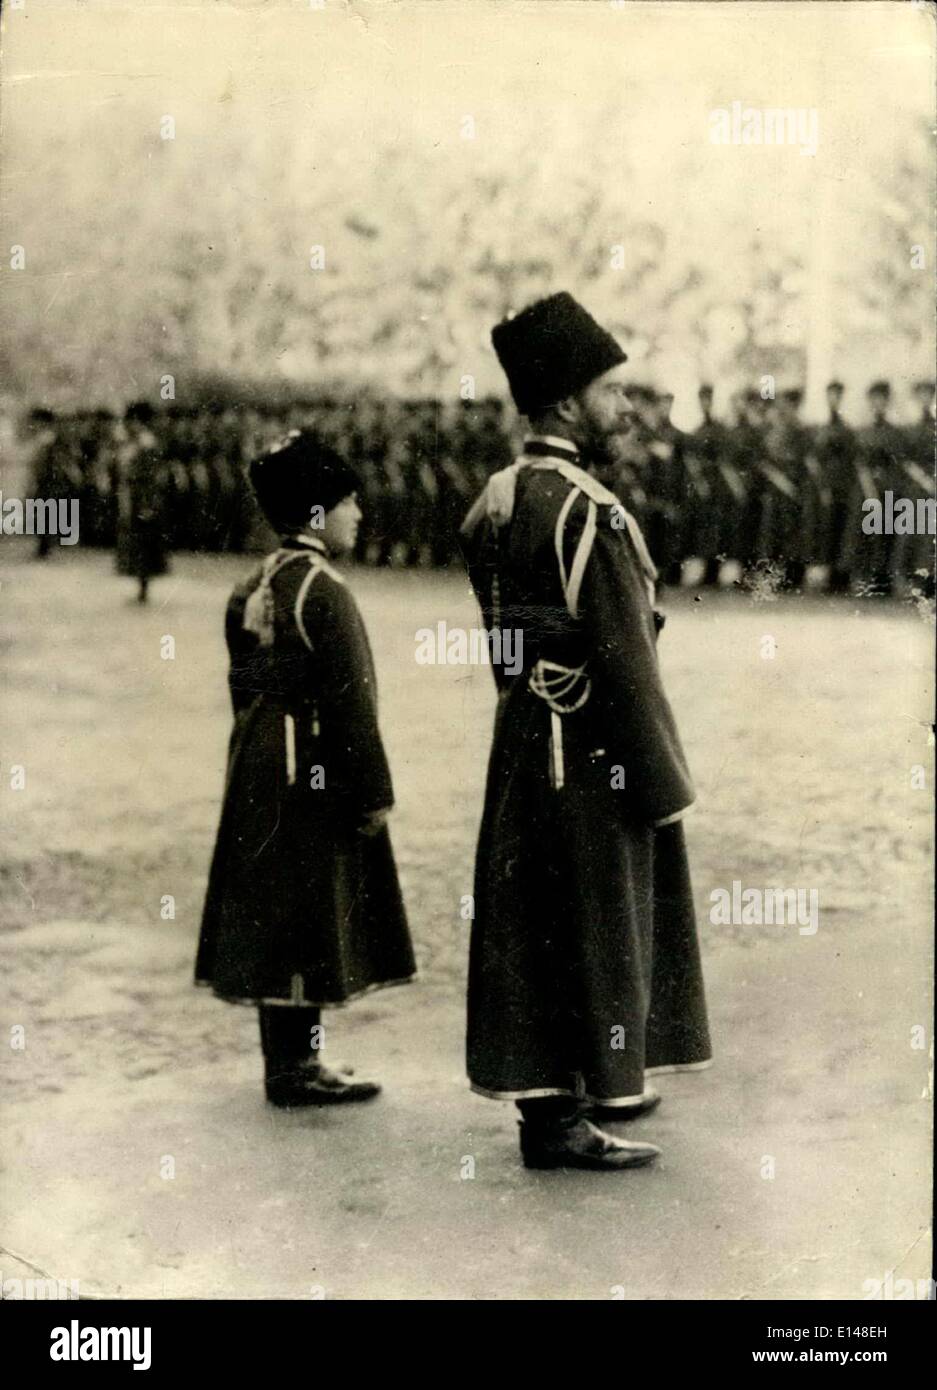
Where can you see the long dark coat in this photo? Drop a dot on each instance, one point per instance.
(882, 447)
(788, 495)
(837, 534)
(705, 505)
(142, 512)
(584, 965)
(302, 907)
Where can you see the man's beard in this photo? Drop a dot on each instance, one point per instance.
(609, 449)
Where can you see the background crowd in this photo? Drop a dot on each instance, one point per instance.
(761, 487)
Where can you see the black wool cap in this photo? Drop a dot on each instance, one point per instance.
(551, 350)
(298, 474)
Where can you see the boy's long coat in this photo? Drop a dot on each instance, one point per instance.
(584, 964)
(302, 907)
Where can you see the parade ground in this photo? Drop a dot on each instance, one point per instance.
(137, 1154)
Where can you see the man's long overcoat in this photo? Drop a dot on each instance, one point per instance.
(584, 963)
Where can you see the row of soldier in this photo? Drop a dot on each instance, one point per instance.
(768, 491)
(762, 489)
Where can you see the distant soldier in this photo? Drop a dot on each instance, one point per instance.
(455, 488)
(706, 449)
(666, 489)
(421, 480)
(99, 503)
(919, 464)
(47, 465)
(881, 451)
(395, 499)
(142, 549)
(489, 446)
(834, 452)
(367, 443)
(741, 492)
(789, 505)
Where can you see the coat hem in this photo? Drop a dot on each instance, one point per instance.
(679, 1066)
(677, 816)
(611, 1102)
(306, 1003)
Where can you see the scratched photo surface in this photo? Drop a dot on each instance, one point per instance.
(225, 223)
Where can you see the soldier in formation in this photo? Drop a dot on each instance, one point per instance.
(759, 488)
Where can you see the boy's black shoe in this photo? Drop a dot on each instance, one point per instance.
(315, 1084)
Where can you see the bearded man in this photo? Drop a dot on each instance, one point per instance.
(584, 965)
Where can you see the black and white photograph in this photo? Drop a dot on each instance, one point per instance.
(467, 604)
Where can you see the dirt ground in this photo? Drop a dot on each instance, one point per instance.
(137, 1155)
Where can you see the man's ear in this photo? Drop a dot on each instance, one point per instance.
(568, 410)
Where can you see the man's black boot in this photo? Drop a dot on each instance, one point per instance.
(559, 1136)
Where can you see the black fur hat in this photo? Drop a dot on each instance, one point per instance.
(551, 350)
(299, 473)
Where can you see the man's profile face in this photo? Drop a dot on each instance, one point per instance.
(605, 413)
(834, 398)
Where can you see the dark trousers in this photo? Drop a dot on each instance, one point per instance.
(286, 1035)
(549, 1112)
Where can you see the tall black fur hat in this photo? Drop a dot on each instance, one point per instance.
(551, 350)
(299, 473)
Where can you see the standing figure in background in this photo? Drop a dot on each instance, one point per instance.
(705, 449)
(740, 479)
(666, 487)
(919, 485)
(142, 494)
(48, 473)
(882, 447)
(99, 451)
(790, 507)
(455, 488)
(834, 455)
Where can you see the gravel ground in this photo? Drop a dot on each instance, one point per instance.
(804, 769)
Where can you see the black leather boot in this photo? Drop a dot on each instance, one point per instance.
(558, 1135)
(582, 1145)
(294, 1075)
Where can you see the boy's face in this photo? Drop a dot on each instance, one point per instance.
(340, 527)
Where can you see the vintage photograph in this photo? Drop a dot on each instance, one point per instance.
(467, 602)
